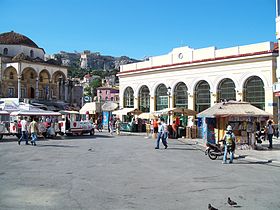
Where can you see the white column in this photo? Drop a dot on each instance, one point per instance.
(66, 88)
(213, 98)
(191, 104)
(152, 103)
(37, 88)
(19, 86)
(135, 102)
(239, 95)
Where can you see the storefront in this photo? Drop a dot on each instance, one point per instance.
(244, 118)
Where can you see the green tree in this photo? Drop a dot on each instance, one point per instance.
(94, 84)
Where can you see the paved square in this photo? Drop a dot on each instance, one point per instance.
(126, 172)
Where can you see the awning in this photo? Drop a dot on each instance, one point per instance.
(233, 108)
(35, 113)
(147, 115)
(125, 111)
(109, 106)
(168, 111)
(90, 108)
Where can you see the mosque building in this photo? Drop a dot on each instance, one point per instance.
(198, 78)
(26, 75)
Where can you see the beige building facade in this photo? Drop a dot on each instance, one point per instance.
(198, 78)
(26, 75)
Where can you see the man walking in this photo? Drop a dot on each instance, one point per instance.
(34, 131)
(161, 134)
(24, 133)
(270, 132)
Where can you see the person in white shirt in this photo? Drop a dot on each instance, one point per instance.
(24, 132)
(161, 134)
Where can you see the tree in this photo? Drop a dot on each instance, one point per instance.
(94, 84)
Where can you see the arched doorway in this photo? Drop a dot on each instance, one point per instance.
(161, 97)
(254, 92)
(181, 95)
(144, 99)
(202, 96)
(128, 98)
(226, 90)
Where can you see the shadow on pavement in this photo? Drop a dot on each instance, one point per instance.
(54, 145)
(176, 148)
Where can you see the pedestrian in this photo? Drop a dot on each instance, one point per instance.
(155, 127)
(19, 126)
(24, 132)
(111, 129)
(33, 127)
(165, 134)
(229, 143)
(148, 129)
(174, 130)
(118, 126)
(161, 133)
(270, 132)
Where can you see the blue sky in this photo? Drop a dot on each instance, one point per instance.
(139, 28)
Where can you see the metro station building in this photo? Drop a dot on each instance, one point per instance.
(198, 78)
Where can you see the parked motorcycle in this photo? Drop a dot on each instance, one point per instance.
(260, 136)
(214, 150)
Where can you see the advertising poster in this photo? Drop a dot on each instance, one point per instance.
(105, 120)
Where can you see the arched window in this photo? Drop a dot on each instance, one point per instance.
(226, 90)
(181, 95)
(128, 98)
(161, 97)
(31, 53)
(254, 92)
(11, 76)
(202, 96)
(5, 51)
(144, 99)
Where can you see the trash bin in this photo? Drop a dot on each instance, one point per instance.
(181, 132)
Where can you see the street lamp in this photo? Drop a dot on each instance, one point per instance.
(168, 94)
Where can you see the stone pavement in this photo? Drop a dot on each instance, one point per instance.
(271, 156)
(263, 155)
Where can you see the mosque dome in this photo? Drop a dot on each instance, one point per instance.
(16, 39)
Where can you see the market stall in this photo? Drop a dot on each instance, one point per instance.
(129, 122)
(181, 116)
(244, 118)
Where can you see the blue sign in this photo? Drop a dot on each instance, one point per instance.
(105, 120)
(86, 98)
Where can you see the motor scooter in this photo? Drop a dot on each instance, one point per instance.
(214, 150)
(260, 136)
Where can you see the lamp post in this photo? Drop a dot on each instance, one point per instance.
(168, 94)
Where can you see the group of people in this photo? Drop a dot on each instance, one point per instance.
(26, 128)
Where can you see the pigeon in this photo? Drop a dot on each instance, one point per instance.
(231, 202)
(211, 207)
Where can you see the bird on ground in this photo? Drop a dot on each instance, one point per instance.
(211, 207)
(231, 202)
